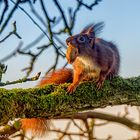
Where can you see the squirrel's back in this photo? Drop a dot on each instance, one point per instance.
(107, 55)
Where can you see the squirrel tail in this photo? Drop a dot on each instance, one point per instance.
(60, 76)
(37, 126)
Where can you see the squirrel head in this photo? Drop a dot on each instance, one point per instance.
(85, 39)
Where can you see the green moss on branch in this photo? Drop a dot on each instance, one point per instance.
(53, 100)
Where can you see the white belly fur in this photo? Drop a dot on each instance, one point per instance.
(92, 69)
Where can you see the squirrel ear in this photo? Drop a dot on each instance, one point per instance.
(90, 32)
(91, 35)
(85, 30)
(93, 29)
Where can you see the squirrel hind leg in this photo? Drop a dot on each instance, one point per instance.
(102, 78)
(112, 74)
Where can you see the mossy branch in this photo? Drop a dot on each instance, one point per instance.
(53, 101)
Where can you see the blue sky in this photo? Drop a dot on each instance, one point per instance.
(122, 25)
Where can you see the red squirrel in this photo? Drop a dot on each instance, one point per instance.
(91, 57)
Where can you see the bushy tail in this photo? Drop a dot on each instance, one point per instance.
(40, 126)
(57, 77)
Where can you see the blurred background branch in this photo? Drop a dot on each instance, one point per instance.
(40, 20)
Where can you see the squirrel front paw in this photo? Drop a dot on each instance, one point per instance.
(71, 88)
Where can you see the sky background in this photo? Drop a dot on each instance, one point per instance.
(122, 26)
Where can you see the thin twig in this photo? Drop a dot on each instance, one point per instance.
(63, 16)
(4, 10)
(9, 16)
(14, 32)
(21, 80)
(33, 58)
(91, 5)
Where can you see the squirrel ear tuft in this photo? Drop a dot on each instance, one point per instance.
(90, 32)
(86, 28)
(94, 27)
(98, 27)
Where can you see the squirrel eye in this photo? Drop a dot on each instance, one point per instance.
(81, 39)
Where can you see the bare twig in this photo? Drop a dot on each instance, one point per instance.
(75, 124)
(33, 58)
(14, 32)
(4, 10)
(21, 80)
(9, 16)
(73, 16)
(63, 17)
(111, 118)
(68, 133)
(91, 5)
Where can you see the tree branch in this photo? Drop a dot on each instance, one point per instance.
(52, 101)
(103, 116)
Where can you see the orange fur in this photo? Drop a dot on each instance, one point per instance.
(57, 77)
(36, 126)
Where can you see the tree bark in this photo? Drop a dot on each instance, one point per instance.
(53, 101)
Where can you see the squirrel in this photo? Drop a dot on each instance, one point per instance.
(91, 57)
